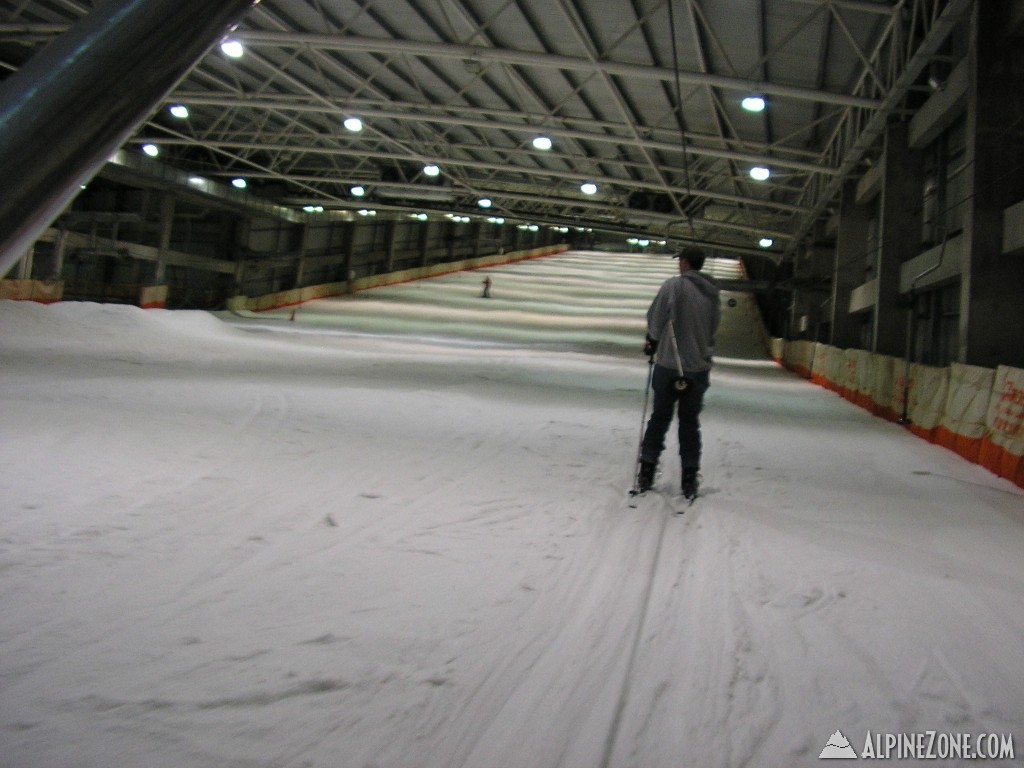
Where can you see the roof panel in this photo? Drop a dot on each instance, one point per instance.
(470, 82)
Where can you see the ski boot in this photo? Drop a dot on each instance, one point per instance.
(691, 483)
(645, 480)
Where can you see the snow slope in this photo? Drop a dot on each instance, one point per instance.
(395, 533)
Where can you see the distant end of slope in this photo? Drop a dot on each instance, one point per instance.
(742, 334)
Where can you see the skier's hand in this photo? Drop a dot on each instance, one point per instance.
(650, 346)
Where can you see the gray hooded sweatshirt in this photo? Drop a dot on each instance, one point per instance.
(690, 300)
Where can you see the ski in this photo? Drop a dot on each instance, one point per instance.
(678, 504)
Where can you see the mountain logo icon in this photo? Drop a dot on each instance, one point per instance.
(838, 748)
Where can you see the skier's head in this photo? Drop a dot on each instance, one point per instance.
(690, 257)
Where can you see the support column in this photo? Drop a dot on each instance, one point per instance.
(450, 239)
(478, 238)
(166, 228)
(349, 249)
(900, 238)
(25, 268)
(60, 244)
(154, 296)
(424, 239)
(71, 106)
(240, 247)
(300, 267)
(390, 237)
(848, 272)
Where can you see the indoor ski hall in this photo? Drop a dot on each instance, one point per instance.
(323, 383)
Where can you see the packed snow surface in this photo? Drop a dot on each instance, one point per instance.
(394, 531)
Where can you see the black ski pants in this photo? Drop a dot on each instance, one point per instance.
(690, 402)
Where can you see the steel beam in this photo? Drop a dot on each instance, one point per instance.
(348, 43)
(74, 103)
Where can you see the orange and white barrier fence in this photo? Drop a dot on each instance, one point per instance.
(976, 412)
(1002, 448)
(42, 291)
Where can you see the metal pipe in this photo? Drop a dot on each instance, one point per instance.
(76, 101)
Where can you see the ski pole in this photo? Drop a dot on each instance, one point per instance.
(680, 383)
(643, 418)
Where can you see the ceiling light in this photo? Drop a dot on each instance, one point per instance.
(239, 183)
(366, 212)
(590, 188)
(431, 170)
(766, 242)
(358, 191)
(542, 143)
(484, 202)
(232, 48)
(496, 220)
(753, 103)
(179, 111)
(760, 173)
(151, 149)
(353, 124)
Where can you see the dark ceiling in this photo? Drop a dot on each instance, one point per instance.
(641, 98)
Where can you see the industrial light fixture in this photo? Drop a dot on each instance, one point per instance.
(766, 242)
(484, 202)
(588, 188)
(358, 191)
(431, 170)
(179, 111)
(542, 143)
(151, 149)
(232, 49)
(760, 173)
(353, 124)
(753, 103)
(239, 183)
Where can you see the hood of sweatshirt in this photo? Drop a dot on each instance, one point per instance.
(702, 283)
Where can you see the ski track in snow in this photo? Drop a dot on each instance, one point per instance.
(395, 533)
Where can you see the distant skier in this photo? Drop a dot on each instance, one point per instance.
(487, 287)
(681, 325)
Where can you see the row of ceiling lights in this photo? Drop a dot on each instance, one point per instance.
(751, 103)
(234, 49)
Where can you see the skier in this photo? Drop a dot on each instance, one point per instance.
(487, 287)
(681, 325)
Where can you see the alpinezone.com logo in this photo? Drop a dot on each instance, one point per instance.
(926, 745)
